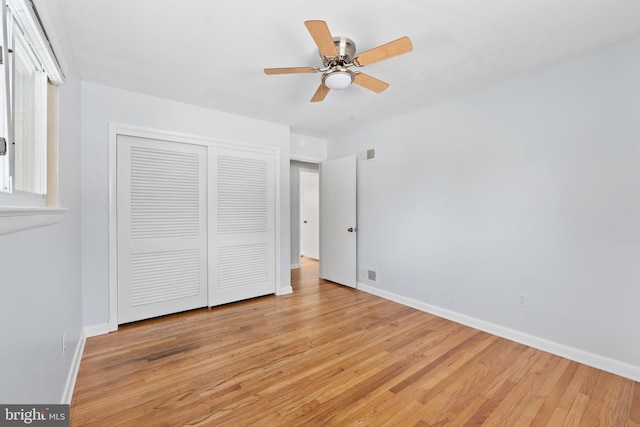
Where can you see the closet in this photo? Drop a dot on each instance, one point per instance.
(195, 223)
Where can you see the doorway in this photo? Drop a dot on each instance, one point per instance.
(305, 190)
(310, 215)
(331, 197)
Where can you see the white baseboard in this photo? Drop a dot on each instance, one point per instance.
(294, 266)
(95, 330)
(73, 372)
(284, 291)
(591, 359)
(87, 332)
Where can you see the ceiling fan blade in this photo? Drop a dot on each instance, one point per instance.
(321, 35)
(370, 83)
(321, 93)
(290, 70)
(388, 50)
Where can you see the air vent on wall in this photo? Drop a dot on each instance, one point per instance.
(366, 155)
(367, 274)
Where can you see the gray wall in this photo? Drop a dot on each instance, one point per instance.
(102, 105)
(307, 148)
(41, 294)
(533, 187)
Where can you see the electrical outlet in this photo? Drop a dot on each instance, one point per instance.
(523, 300)
(64, 342)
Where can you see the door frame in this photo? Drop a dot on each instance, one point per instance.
(295, 219)
(301, 198)
(116, 129)
(298, 208)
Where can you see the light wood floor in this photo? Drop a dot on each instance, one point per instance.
(331, 355)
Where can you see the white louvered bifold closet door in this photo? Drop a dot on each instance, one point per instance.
(242, 232)
(162, 227)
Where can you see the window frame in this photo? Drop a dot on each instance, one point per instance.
(24, 166)
(21, 210)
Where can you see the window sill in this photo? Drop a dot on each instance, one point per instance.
(14, 219)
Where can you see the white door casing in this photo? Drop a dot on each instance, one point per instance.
(161, 226)
(310, 215)
(338, 221)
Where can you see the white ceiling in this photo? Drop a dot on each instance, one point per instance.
(211, 53)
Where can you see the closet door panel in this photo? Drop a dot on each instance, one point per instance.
(242, 231)
(162, 227)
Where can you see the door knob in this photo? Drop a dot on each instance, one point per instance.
(351, 229)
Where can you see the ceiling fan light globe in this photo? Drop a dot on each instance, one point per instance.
(338, 80)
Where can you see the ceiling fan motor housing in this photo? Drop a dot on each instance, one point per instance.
(346, 50)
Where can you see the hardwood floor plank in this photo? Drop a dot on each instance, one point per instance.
(331, 355)
(438, 362)
(552, 398)
(464, 416)
(616, 408)
(557, 417)
(576, 411)
(526, 387)
(410, 415)
(485, 411)
(634, 410)
(479, 384)
(603, 401)
(440, 400)
(536, 402)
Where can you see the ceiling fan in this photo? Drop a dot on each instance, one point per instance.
(338, 58)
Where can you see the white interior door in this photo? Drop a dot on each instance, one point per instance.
(338, 221)
(161, 226)
(242, 231)
(310, 215)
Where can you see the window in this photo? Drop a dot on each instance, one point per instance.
(29, 73)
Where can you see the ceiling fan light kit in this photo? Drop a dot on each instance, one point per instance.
(337, 79)
(338, 54)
